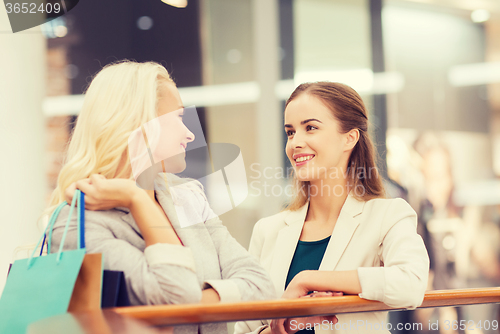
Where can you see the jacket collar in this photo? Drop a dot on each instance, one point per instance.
(288, 238)
(297, 216)
(342, 233)
(351, 208)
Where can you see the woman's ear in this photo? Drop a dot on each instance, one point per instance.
(352, 138)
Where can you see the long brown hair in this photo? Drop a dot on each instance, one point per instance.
(348, 109)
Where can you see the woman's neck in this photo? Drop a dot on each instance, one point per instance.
(327, 196)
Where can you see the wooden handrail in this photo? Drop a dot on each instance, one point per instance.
(92, 322)
(204, 313)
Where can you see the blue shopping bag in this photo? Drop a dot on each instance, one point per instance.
(41, 287)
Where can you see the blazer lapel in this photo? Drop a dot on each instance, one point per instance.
(342, 233)
(286, 243)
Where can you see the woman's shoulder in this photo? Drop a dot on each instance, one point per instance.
(280, 219)
(276, 218)
(93, 217)
(107, 224)
(180, 189)
(389, 211)
(267, 228)
(389, 204)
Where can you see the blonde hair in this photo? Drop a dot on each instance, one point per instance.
(120, 99)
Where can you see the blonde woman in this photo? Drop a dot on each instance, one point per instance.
(138, 230)
(339, 235)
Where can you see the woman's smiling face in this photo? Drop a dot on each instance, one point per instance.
(173, 136)
(315, 146)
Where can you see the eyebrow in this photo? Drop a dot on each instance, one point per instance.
(304, 122)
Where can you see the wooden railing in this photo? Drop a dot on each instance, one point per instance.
(121, 320)
(204, 313)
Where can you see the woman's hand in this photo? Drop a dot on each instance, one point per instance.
(104, 194)
(298, 287)
(293, 325)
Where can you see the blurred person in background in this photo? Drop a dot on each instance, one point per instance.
(463, 243)
(479, 254)
(440, 219)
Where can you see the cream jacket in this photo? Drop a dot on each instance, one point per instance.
(377, 238)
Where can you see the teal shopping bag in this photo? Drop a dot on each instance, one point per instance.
(41, 287)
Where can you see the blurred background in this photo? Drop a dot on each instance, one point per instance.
(428, 70)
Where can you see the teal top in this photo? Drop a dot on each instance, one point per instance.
(307, 256)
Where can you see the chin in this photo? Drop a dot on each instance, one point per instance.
(303, 174)
(176, 164)
(303, 178)
(309, 179)
(178, 168)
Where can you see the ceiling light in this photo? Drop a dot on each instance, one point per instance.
(145, 23)
(60, 31)
(480, 15)
(176, 3)
(474, 74)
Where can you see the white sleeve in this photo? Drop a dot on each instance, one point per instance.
(402, 280)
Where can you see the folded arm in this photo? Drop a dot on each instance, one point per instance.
(162, 274)
(400, 282)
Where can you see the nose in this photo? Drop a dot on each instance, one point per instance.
(189, 135)
(297, 141)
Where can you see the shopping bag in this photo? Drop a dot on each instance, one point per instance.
(42, 287)
(114, 289)
(88, 286)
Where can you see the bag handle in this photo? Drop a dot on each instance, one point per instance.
(78, 195)
(80, 221)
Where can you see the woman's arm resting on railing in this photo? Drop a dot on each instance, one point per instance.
(315, 280)
(400, 283)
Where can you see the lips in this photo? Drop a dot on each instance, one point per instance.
(301, 159)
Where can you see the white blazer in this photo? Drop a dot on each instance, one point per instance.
(377, 238)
